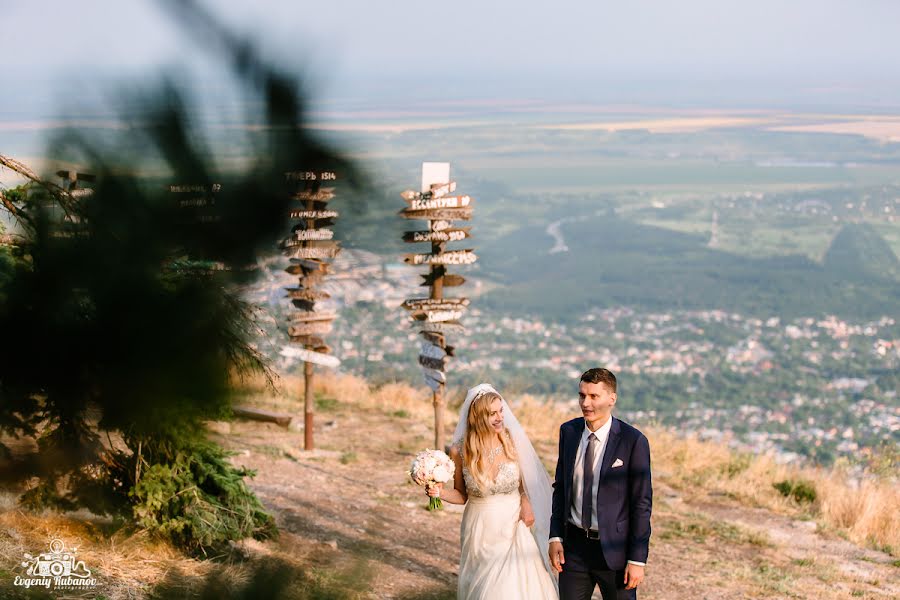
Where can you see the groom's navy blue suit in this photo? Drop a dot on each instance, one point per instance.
(622, 505)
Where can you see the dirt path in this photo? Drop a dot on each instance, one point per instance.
(350, 506)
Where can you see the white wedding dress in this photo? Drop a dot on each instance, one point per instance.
(499, 555)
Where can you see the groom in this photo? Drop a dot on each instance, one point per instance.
(600, 526)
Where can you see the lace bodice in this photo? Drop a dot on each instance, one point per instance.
(507, 481)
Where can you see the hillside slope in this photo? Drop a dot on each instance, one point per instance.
(354, 526)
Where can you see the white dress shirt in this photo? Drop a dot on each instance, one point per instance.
(602, 435)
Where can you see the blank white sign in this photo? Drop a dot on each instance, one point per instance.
(434, 172)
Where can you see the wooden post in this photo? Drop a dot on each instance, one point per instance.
(437, 399)
(308, 399)
(308, 406)
(309, 248)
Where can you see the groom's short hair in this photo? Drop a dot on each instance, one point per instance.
(600, 375)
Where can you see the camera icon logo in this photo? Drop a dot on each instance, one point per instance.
(58, 562)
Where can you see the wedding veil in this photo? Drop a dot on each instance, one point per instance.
(534, 476)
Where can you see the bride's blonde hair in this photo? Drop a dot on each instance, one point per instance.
(478, 439)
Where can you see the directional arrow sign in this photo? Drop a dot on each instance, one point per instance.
(312, 264)
(305, 294)
(432, 363)
(310, 176)
(182, 189)
(433, 378)
(327, 252)
(311, 357)
(306, 329)
(194, 202)
(309, 340)
(434, 214)
(437, 316)
(312, 242)
(319, 223)
(453, 257)
(448, 235)
(435, 374)
(304, 304)
(441, 189)
(433, 336)
(438, 327)
(444, 202)
(311, 279)
(308, 317)
(435, 304)
(437, 190)
(322, 195)
(312, 214)
(290, 242)
(432, 351)
(448, 281)
(313, 234)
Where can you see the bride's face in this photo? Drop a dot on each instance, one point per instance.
(495, 418)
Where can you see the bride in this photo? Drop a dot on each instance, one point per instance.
(506, 490)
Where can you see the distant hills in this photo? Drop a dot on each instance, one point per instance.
(613, 261)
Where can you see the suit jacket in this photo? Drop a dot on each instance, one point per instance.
(624, 494)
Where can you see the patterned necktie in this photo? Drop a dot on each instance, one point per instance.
(587, 480)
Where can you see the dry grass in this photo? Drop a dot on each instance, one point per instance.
(869, 513)
(130, 561)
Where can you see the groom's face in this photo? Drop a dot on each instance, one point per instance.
(596, 401)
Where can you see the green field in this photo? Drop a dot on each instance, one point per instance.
(640, 216)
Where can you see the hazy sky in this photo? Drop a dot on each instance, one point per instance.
(461, 45)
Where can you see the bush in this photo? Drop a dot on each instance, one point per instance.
(199, 501)
(801, 491)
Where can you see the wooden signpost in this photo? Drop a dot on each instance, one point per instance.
(305, 249)
(438, 214)
(310, 213)
(196, 203)
(449, 280)
(447, 235)
(319, 358)
(436, 191)
(435, 303)
(308, 247)
(442, 202)
(453, 257)
(302, 330)
(435, 315)
(313, 234)
(305, 294)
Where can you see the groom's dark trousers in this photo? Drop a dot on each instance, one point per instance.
(622, 506)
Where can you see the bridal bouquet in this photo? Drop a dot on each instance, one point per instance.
(431, 467)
